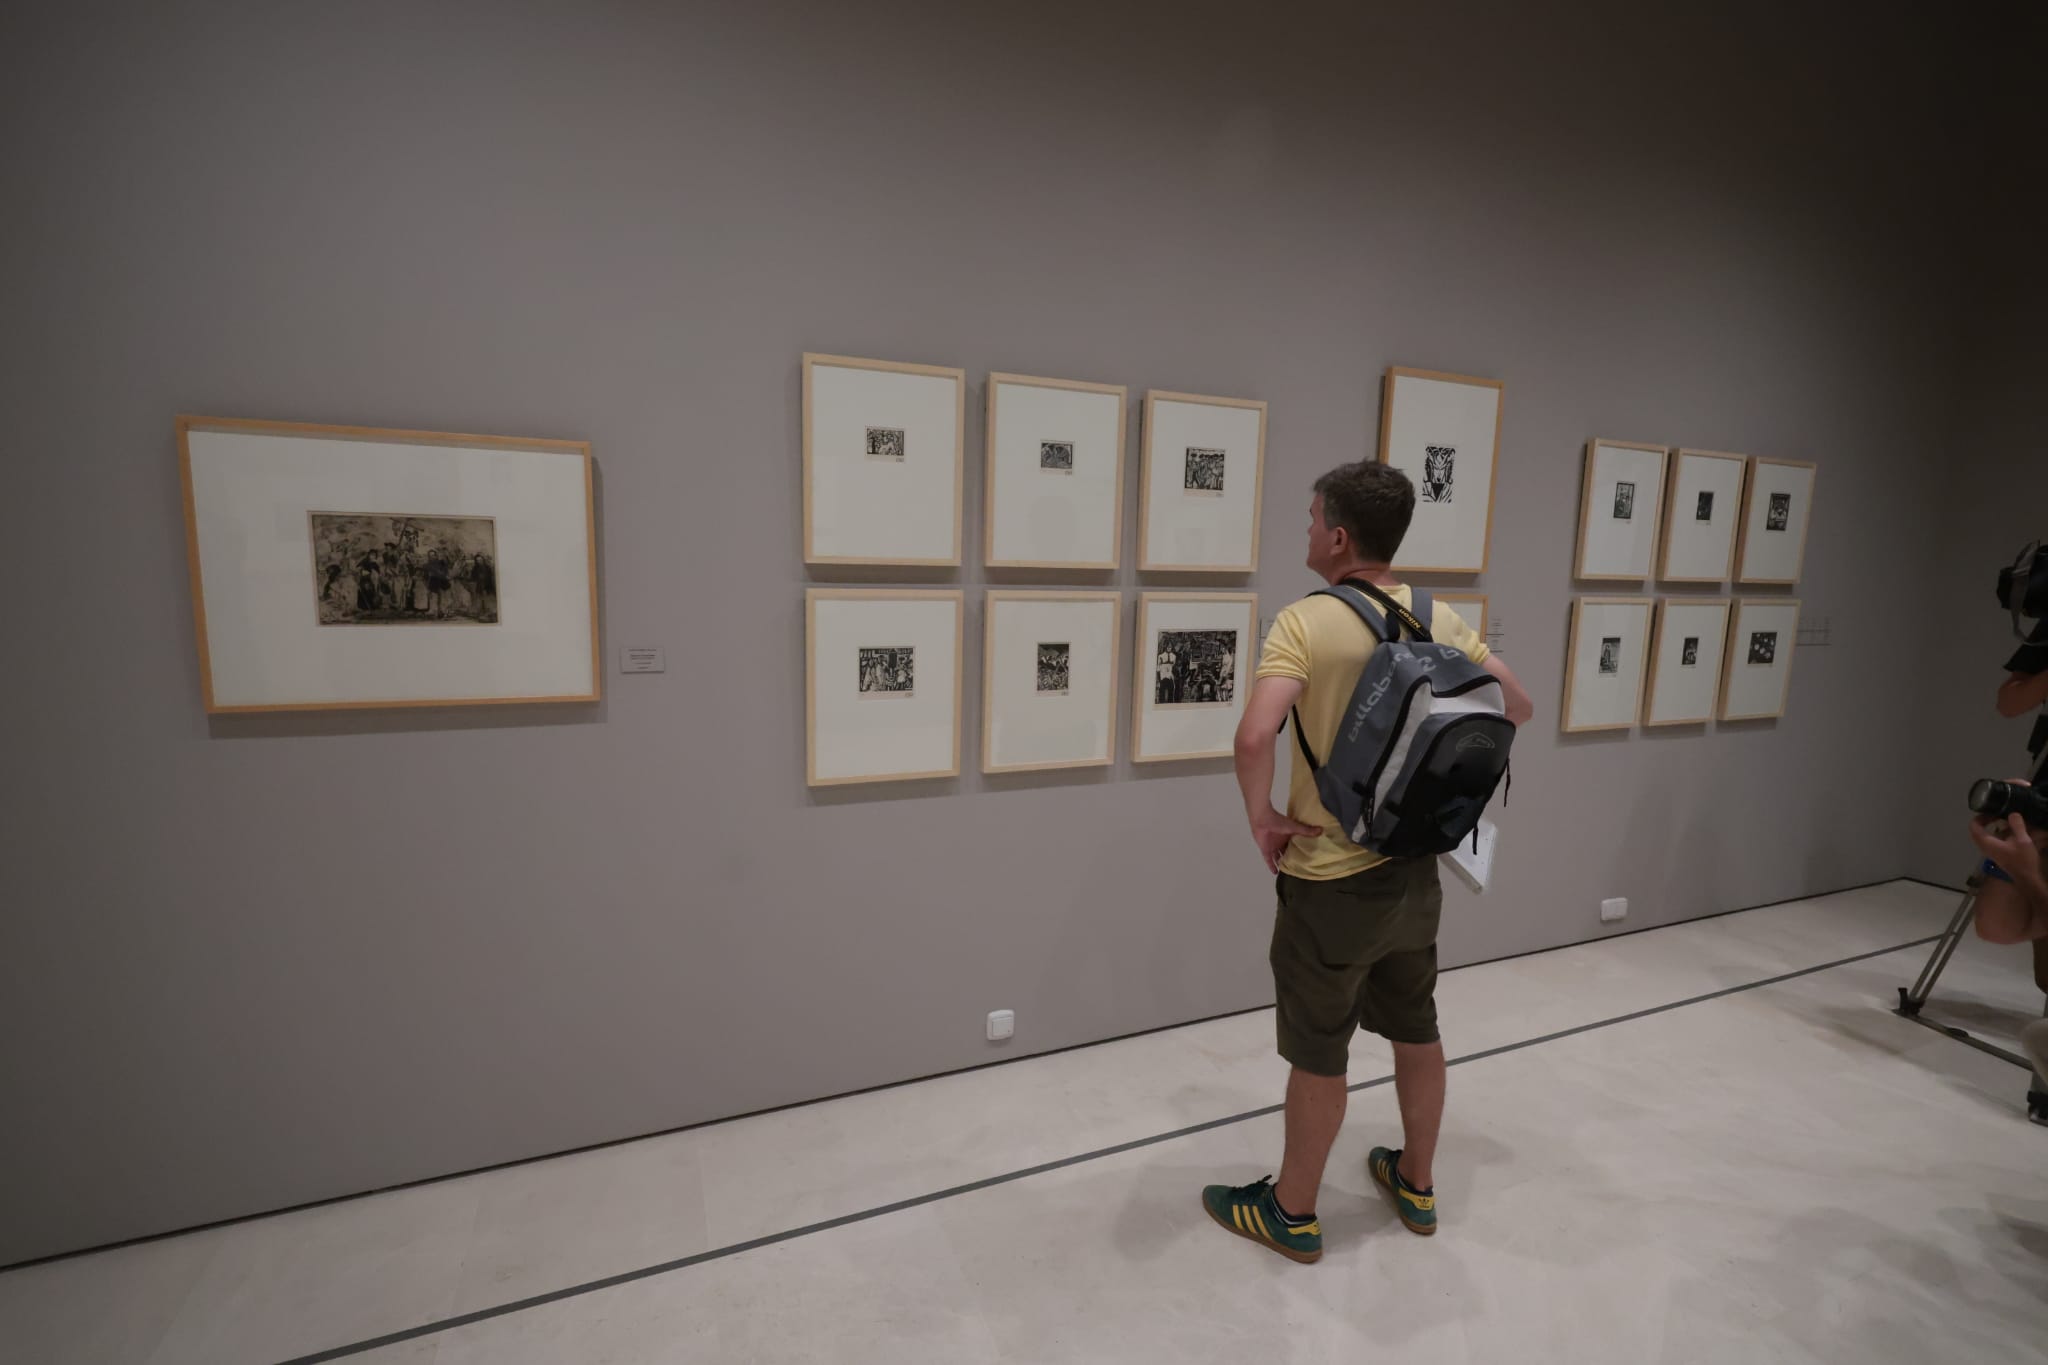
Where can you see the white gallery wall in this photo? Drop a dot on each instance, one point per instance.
(262, 960)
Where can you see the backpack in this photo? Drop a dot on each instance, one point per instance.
(1424, 741)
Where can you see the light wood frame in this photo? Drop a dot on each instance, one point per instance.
(1493, 477)
(813, 596)
(188, 423)
(1728, 655)
(1145, 562)
(988, 663)
(988, 498)
(1571, 665)
(959, 378)
(1657, 649)
(1658, 509)
(1485, 610)
(1742, 529)
(1140, 656)
(1671, 467)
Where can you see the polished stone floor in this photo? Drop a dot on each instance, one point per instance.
(1783, 1173)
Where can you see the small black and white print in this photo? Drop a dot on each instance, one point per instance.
(888, 670)
(1780, 515)
(1054, 668)
(885, 443)
(1056, 455)
(1195, 668)
(1763, 646)
(1439, 467)
(1624, 502)
(1610, 654)
(1705, 511)
(1203, 472)
(1689, 652)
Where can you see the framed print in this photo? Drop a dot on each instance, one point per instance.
(339, 567)
(1049, 680)
(1700, 517)
(1055, 487)
(1619, 512)
(1685, 661)
(1603, 676)
(1192, 669)
(883, 461)
(1758, 670)
(1471, 606)
(882, 684)
(1771, 547)
(1198, 492)
(1443, 432)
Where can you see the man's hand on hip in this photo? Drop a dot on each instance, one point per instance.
(1273, 831)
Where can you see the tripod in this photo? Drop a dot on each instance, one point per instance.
(1911, 1001)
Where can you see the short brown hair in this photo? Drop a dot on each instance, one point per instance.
(1374, 502)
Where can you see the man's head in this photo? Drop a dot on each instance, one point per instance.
(1360, 515)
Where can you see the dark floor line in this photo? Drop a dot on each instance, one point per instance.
(1010, 1177)
(879, 1086)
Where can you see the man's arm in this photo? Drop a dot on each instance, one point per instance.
(2021, 693)
(1520, 709)
(2014, 911)
(1264, 710)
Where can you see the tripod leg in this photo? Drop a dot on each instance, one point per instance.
(1951, 938)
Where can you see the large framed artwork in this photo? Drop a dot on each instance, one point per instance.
(1618, 515)
(884, 458)
(1771, 548)
(1443, 431)
(1192, 670)
(882, 684)
(1199, 489)
(1685, 661)
(1758, 670)
(1470, 606)
(1055, 485)
(339, 567)
(1603, 677)
(1700, 517)
(1049, 680)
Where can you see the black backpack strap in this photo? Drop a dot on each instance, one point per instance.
(1424, 607)
(1302, 739)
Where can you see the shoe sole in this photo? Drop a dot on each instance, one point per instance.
(1419, 1229)
(1298, 1257)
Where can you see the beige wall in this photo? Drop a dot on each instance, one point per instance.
(251, 963)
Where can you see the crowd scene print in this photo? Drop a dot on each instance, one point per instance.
(1056, 455)
(888, 671)
(1439, 465)
(1195, 668)
(885, 443)
(1055, 668)
(1204, 470)
(373, 568)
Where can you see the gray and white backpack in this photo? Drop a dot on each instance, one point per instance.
(1424, 742)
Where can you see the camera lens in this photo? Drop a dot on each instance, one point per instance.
(1986, 797)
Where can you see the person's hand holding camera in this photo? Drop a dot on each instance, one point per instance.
(2015, 848)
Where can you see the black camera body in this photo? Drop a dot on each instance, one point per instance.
(2023, 588)
(1996, 800)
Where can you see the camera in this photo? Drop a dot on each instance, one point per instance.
(1995, 800)
(2023, 588)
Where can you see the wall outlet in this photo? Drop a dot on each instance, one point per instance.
(1001, 1024)
(1610, 911)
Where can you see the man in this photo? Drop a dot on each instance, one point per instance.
(1354, 941)
(2012, 905)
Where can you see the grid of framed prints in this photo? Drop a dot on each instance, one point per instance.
(1443, 431)
(1758, 669)
(882, 684)
(1199, 489)
(1192, 670)
(1603, 680)
(1055, 480)
(1618, 519)
(1700, 517)
(345, 567)
(1049, 680)
(1685, 661)
(883, 461)
(1771, 548)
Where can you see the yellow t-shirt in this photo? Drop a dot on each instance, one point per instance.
(1321, 642)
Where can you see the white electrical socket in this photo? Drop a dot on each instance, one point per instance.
(1001, 1024)
(1610, 911)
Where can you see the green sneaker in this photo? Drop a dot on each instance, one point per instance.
(1416, 1207)
(1252, 1211)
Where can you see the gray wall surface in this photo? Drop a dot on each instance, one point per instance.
(252, 962)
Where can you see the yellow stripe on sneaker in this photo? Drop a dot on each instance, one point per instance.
(1237, 1217)
(1260, 1219)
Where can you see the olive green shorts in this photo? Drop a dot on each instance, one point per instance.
(1356, 953)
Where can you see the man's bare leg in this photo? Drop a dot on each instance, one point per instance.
(1315, 1112)
(2005, 916)
(1420, 1080)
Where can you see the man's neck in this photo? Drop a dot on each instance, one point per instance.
(1379, 575)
